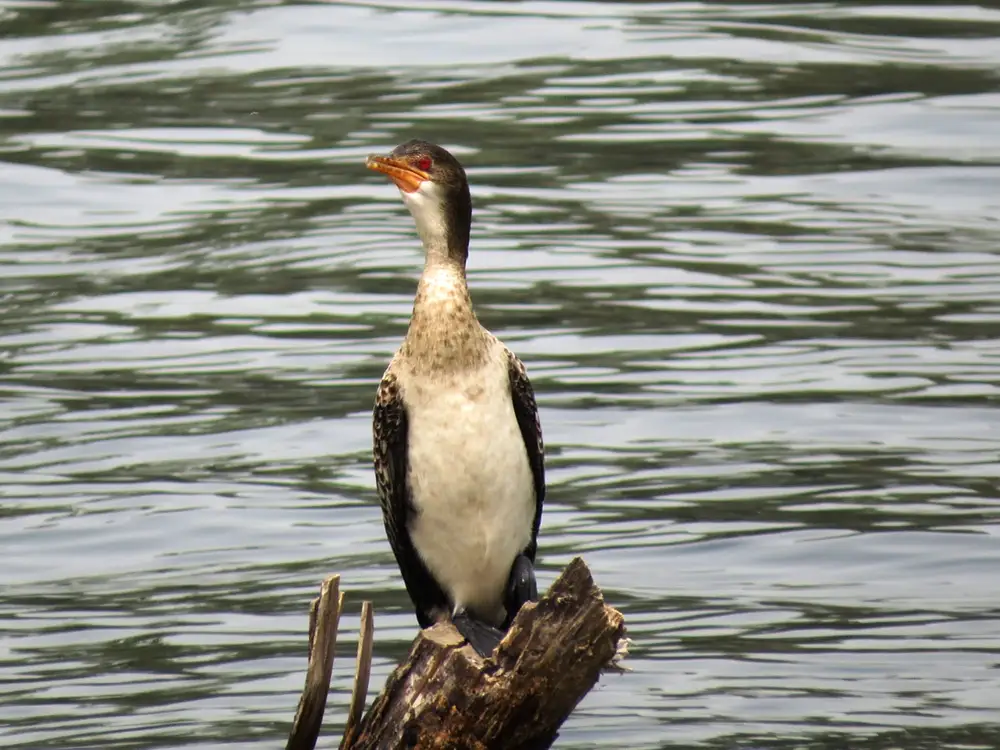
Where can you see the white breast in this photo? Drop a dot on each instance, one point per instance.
(471, 483)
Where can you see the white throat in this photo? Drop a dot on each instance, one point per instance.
(426, 206)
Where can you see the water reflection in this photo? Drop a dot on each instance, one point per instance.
(747, 251)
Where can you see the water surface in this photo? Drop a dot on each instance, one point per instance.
(748, 252)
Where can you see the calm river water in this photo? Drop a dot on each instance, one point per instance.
(748, 252)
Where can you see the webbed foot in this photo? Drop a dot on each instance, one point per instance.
(483, 637)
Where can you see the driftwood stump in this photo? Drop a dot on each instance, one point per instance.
(444, 695)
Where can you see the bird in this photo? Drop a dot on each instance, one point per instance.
(457, 442)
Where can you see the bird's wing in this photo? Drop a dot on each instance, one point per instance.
(526, 412)
(390, 433)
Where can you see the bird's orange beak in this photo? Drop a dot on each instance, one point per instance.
(407, 177)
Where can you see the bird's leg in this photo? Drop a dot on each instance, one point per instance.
(521, 587)
(481, 636)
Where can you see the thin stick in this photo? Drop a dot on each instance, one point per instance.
(366, 634)
(323, 645)
(313, 614)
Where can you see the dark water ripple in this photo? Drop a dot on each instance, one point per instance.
(748, 251)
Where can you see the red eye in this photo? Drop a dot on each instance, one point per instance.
(424, 163)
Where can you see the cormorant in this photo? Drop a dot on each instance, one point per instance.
(459, 458)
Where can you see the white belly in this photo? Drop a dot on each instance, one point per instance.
(471, 484)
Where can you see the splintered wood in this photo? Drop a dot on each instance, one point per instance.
(444, 695)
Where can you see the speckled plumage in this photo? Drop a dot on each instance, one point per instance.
(530, 424)
(478, 435)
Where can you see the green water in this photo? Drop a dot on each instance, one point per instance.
(747, 251)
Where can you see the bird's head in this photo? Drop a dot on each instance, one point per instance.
(436, 192)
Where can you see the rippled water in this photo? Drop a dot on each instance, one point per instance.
(748, 252)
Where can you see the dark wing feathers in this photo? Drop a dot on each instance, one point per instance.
(526, 412)
(391, 466)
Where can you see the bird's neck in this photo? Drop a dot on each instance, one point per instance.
(444, 333)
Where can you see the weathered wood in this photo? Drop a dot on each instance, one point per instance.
(362, 673)
(324, 617)
(444, 695)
